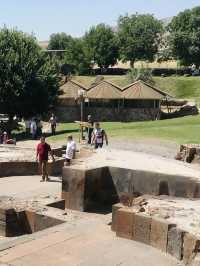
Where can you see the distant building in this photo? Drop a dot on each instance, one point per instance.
(107, 102)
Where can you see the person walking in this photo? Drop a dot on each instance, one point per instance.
(70, 150)
(27, 126)
(98, 136)
(33, 129)
(90, 128)
(53, 124)
(42, 155)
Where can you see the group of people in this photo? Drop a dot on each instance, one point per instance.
(43, 151)
(96, 137)
(34, 126)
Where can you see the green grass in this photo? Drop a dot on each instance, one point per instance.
(179, 130)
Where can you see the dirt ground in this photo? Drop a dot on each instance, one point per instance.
(166, 149)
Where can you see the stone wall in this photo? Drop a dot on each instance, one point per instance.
(83, 188)
(72, 113)
(20, 168)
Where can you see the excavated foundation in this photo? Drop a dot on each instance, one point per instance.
(84, 188)
(175, 230)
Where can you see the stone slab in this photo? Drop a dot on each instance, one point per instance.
(125, 223)
(115, 208)
(191, 245)
(175, 242)
(142, 228)
(159, 233)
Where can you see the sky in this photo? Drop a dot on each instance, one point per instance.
(44, 17)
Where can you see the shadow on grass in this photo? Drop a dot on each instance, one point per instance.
(23, 136)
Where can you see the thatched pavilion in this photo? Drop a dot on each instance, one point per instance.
(144, 97)
(68, 108)
(106, 101)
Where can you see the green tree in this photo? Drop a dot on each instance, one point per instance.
(75, 57)
(102, 45)
(29, 83)
(139, 37)
(185, 36)
(144, 74)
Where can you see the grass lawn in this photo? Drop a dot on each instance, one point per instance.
(179, 130)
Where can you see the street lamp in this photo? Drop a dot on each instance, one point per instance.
(81, 96)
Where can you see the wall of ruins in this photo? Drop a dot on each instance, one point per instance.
(72, 113)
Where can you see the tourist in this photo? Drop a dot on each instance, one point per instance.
(5, 137)
(90, 128)
(1, 137)
(98, 136)
(27, 126)
(6, 140)
(53, 123)
(70, 150)
(33, 129)
(43, 151)
(39, 127)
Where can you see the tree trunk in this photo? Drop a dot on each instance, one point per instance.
(132, 62)
(10, 125)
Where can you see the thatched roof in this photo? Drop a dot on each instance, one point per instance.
(142, 90)
(70, 89)
(104, 90)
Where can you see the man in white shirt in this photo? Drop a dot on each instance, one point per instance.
(33, 129)
(70, 150)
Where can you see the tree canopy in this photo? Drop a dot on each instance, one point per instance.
(139, 37)
(29, 83)
(75, 58)
(102, 45)
(185, 36)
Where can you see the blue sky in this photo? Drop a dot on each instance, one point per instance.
(43, 17)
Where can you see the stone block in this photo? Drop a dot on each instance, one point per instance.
(73, 188)
(159, 233)
(196, 260)
(142, 228)
(191, 246)
(115, 208)
(175, 242)
(125, 223)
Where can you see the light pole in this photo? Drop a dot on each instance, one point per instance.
(81, 95)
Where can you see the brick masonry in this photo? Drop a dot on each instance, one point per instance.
(142, 228)
(20, 168)
(125, 223)
(72, 113)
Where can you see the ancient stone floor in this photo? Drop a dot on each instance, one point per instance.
(88, 243)
(86, 240)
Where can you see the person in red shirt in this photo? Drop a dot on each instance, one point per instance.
(43, 151)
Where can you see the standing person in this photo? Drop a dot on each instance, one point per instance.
(52, 122)
(27, 126)
(70, 149)
(42, 153)
(5, 137)
(33, 129)
(90, 128)
(39, 127)
(98, 136)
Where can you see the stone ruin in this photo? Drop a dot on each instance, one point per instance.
(156, 207)
(189, 153)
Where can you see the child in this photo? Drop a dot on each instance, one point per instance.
(70, 150)
(98, 136)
